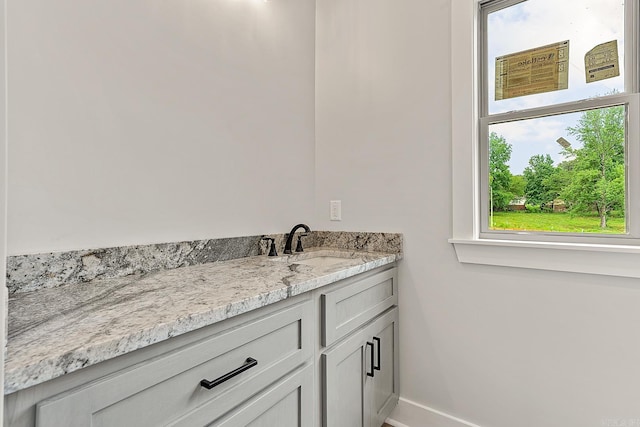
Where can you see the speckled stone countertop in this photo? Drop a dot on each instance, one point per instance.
(59, 330)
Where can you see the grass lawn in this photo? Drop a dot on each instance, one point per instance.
(558, 222)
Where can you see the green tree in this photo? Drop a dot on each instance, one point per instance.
(560, 179)
(540, 188)
(499, 174)
(598, 169)
(517, 185)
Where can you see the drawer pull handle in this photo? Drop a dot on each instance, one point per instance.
(377, 340)
(248, 364)
(370, 345)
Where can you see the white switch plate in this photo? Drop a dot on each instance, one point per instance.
(336, 210)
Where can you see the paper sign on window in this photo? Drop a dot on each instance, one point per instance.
(602, 62)
(543, 69)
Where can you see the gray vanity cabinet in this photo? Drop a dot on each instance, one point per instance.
(360, 362)
(301, 362)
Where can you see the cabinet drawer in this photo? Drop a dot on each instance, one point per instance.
(288, 403)
(168, 386)
(346, 308)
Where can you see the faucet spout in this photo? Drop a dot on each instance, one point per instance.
(287, 246)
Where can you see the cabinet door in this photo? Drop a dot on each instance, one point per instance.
(361, 375)
(344, 384)
(382, 388)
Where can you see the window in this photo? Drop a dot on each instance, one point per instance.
(550, 164)
(546, 141)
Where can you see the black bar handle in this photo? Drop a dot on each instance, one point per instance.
(377, 340)
(248, 364)
(370, 374)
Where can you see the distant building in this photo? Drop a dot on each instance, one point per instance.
(559, 205)
(517, 204)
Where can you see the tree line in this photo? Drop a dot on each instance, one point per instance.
(590, 180)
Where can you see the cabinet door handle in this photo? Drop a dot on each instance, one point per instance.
(377, 340)
(248, 364)
(370, 345)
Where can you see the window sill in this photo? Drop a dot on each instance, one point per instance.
(608, 260)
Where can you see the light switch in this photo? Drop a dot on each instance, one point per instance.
(336, 210)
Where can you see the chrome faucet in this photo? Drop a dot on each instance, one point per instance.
(287, 246)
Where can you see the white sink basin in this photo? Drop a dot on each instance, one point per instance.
(323, 258)
(325, 261)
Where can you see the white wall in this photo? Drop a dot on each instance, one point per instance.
(141, 121)
(144, 121)
(3, 194)
(498, 347)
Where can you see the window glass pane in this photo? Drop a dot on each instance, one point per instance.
(563, 173)
(536, 23)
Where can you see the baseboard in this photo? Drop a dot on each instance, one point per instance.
(412, 414)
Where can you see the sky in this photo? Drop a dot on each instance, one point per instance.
(536, 23)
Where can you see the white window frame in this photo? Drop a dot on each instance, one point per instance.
(609, 256)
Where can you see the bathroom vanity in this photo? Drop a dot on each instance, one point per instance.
(301, 340)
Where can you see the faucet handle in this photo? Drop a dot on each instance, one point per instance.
(287, 246)
(299, 245)
(272, 249)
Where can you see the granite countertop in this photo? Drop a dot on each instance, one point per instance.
(59, 330)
